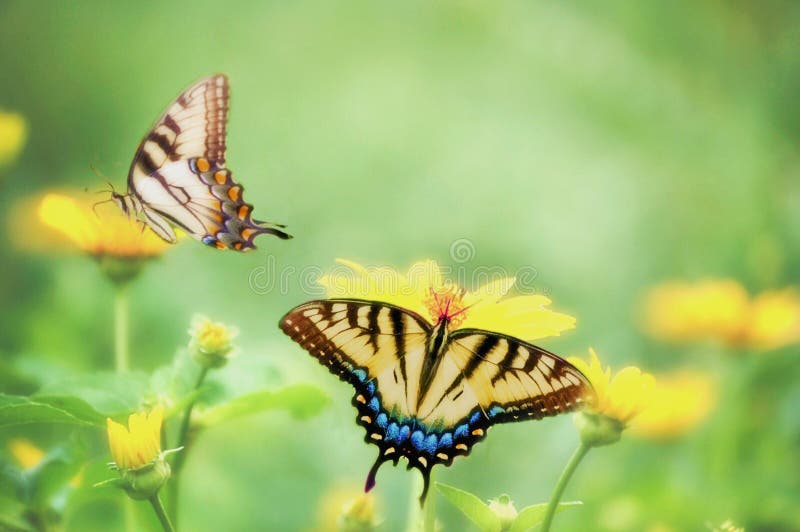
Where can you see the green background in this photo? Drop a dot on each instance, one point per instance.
(607, 146)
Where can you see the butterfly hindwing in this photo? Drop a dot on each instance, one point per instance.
(178, 175)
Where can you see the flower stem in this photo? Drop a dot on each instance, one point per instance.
(563, 480)
(162, 515)
(183, 434)
(121, 314)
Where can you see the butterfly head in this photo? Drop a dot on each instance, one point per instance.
(447, 305)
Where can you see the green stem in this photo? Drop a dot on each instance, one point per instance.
(162, 515)
(121, 355)
(183, 434)
(563, 480)
(421, 518)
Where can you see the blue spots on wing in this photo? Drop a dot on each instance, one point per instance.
(360, 374)
(371, 388)
(209, 240)
(382, 420)
(475, 417)
(461, 431)
(374, 404)
(446, 441)
(417, 439)
(495, 411)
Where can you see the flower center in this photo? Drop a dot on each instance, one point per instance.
(447, 304)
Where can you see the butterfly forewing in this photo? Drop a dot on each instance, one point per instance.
(194, 125)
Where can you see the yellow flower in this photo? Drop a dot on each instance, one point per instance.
(107, 233)
(140, 444)
(211, 343)
(774, 319)
(345, 506)
(722, 310)
(25, 453)
(621, 398)
(13, 132)
(29, 456)
(424, 290)
(680, 401)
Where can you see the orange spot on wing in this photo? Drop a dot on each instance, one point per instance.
(234, 193)
(244, 210)
(247, 233)
(203, 165)
(221, 177)
(220, 245)
(237, 246)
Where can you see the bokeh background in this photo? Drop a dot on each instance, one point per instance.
(608, 146)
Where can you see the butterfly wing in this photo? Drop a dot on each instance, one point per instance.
(178, 173)
(193, 126)
(378, 348)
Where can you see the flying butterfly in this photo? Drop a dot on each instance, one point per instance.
(178, 176)
(429, 393)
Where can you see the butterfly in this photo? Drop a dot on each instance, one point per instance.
(425, 392)
(178, 176)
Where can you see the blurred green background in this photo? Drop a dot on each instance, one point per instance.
(609, 146)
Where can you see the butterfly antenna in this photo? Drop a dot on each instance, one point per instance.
(105, 178)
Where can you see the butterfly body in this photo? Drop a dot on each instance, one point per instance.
(178, 176)
(428, 392)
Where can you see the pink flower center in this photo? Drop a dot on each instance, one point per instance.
(447, 304)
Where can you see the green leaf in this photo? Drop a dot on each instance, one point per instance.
(110, 394)
(17, 410)
(533, 515)
(472, 506)
(301, 400)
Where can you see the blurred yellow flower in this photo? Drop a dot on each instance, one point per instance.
(424, 290)
(211, 343)
(13, 133)
(138, 445)
(722, 310)
(620, 398)
(680, 401)
(110, 234)
(28, 456)
(25, 453)
(345, 506)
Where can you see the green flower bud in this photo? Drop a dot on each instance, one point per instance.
(503, 508)
(597, 430)
(145, 482)
(211, 343)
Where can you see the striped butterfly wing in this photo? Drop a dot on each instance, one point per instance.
(373, 346)
(178, 173)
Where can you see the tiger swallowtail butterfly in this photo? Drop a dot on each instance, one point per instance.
(425, 392)
(178, 176)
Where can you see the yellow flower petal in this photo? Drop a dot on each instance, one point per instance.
(140, 443)
(680, 401)
(25, 452)
(107, 233)
(13, 133)
(622, 397)
(424, 290)
(722, 310)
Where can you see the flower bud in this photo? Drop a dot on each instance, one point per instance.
(145, 482)
(596, 429)
(211, 343)
(503, 508)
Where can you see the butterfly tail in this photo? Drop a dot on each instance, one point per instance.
(273, 230)
(370, 483)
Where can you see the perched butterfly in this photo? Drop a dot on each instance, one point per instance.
(425, 392)
(178, 175)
